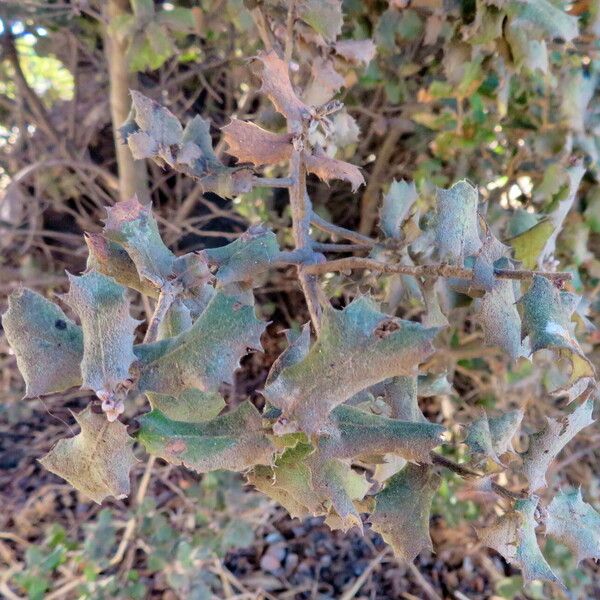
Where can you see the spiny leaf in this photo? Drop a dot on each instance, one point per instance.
(547, 321)
(246, 257)
(401, 395)
(402, 508)
(324, 83)
(297, 349)
(498, 316)
(134, 227)
(513, 536)
(479, 439)
(191, 406)
(326, 169)
(357, 348)
(359, 433)
(204, 356)
(96, 461)
(575, 524)
(456, 227)
(558, 215)
(234, 441)
(47, 344)
(108, 330)
(545, 445)
(277, 86)
(396, 207)
(154, 132)
(324, 16)
(250, 143)
(529, 244)
(358, 52)
(503, 429)
(111, 259)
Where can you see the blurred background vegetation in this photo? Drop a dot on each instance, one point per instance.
(502, 92)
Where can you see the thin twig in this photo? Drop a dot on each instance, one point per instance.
(426, 271)
(301, 213)
(341, 232)
(273, 182)
(360, 581)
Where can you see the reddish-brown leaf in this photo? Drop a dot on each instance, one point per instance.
(250, 143)
(326, 168)
(277, 86)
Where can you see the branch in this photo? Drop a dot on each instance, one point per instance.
(301, 212)
(165, 299)
(341, 232)
(467, 473)
(426, 271)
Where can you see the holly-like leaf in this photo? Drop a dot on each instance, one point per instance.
(545, 445)
(154, 132)
(479, 439)
(326, 169)
(558, 215)
(191, 406)
(97, 460)
(402, 508)
(204, 356)
(324, 83)
(47, 344)
(246, 257)
(324, 16)
(309, 487)
(401, 395)
(358, 52)
(498, 316)
(547, 321)
(395, 208)
(457, 228)
(503, 429)
(108, 330)
(250, 143)
(575, 524)
(276, 85)
(111, 259)
(529, 244)
(134, 227)
(234, 441)
(359, 433)
(357, 348)
(513, 536)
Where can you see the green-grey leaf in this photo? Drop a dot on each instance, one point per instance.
(402, 510)
(547, 321)
(96, 461)
(503, 429)
(47, 344)
(357, 348)
(108, 330)
(575, 524)
(363, 434)
(396, 207)
(401, 395)
(246, 257)
(529, 244)
(134, 227)
(204, 356)
(479, 439)
(513, 536)
(234, 441)
(545, 445)
(456, 229)
(191, 406)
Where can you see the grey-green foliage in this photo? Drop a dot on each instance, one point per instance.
(347, 401)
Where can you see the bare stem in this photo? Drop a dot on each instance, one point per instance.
(341, 232)
(467, 473)
(273, 182)
(301, 213)
(426, 271)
